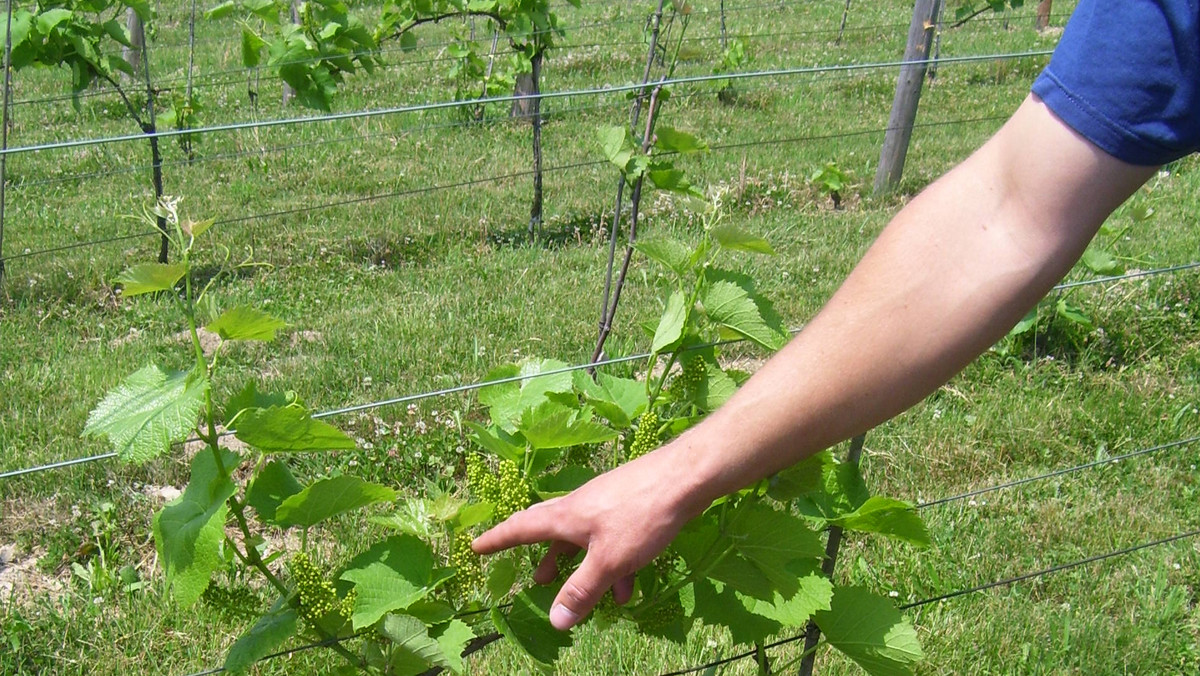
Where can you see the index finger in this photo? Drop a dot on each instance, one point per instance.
(539, 523)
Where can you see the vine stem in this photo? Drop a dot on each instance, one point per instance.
(634, 114)
(7, 95)
(812, 631)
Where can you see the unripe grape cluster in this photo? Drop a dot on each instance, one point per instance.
(506, 488)
(690, 377)
(645, 437)
(468, 576)
(317, 595)
(232, 602)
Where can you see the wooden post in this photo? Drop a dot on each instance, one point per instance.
(288, 92)
(137, 36)
(812, 633)
(1042, 22)
(908, 95)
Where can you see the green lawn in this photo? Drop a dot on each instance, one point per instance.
(390, 289)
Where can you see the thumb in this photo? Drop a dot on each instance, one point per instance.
(580, 593)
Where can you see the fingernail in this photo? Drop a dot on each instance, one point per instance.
(562, 618)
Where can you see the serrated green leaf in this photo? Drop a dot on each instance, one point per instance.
(670, 325)
(47, 20)
(413, 650)
(888, 516)
(474, 514)
(724, 608)
(391, 576)
(408, 41)
(732, 306)
(250, 397)
(870, 631)
(773, 541)
(453, 637)
(551, 426)
(564, 481)
(147, 412)
(1071, 313)
(671, 253)
(252, 46)
(716, 388)
(814, 593)
(329, 497)
(842, 492)
(1027, 322)
(287, 429)
(620, 400)
(243, 323)
(497, 441)
(508, 401)
(672, 140)
(141, 8)
(666, 177)
(150, 277)
(502, 575)
(617, 149)
(527, 625)
(273, 484)
(1101, 262)
(220, 11)
(733, 237)
(806, 476)
(118, 31)
(189, 530)
(265, 636)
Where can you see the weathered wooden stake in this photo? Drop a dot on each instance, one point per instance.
(288, 91)
(1042, 22)
(908, 95)
(137, 36)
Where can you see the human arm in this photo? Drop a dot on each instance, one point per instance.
(954, 270)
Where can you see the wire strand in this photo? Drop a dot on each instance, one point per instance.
(444, 105)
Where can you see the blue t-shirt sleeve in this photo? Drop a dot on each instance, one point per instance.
(1126, 75)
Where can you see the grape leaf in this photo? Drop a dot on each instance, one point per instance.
(327, 498)
(508, 401)
(281, 429)
(148, 411)
(665, 177)
(391, 576)
(527, 625)
(842, 492)
(620, 400)
(733, 237)
(1101, 262)
(243, 323)
(250, 397)
(413, 650)
(453, 637)
(670, 325)
(733, 307)
(669, 252)
(616, 149)
(814, 593)
(671, 140)
(150, 277)
(499, 442)
(268, 633)
(887, 516)
(273, 484)
(189, 530)
(564, 481)
(806, 476)
(501, 577)
(870, 631)
(724, 608)
(552, 426)
(772, 541)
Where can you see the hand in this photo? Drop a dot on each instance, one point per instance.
(623, 519)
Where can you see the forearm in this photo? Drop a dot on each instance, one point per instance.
(946, 279)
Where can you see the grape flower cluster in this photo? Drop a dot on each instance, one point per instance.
(645, 437)
(468, 576)
(691, 377)
(506, 488)
(317, 596)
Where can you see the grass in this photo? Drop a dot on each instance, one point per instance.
(396, 295)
